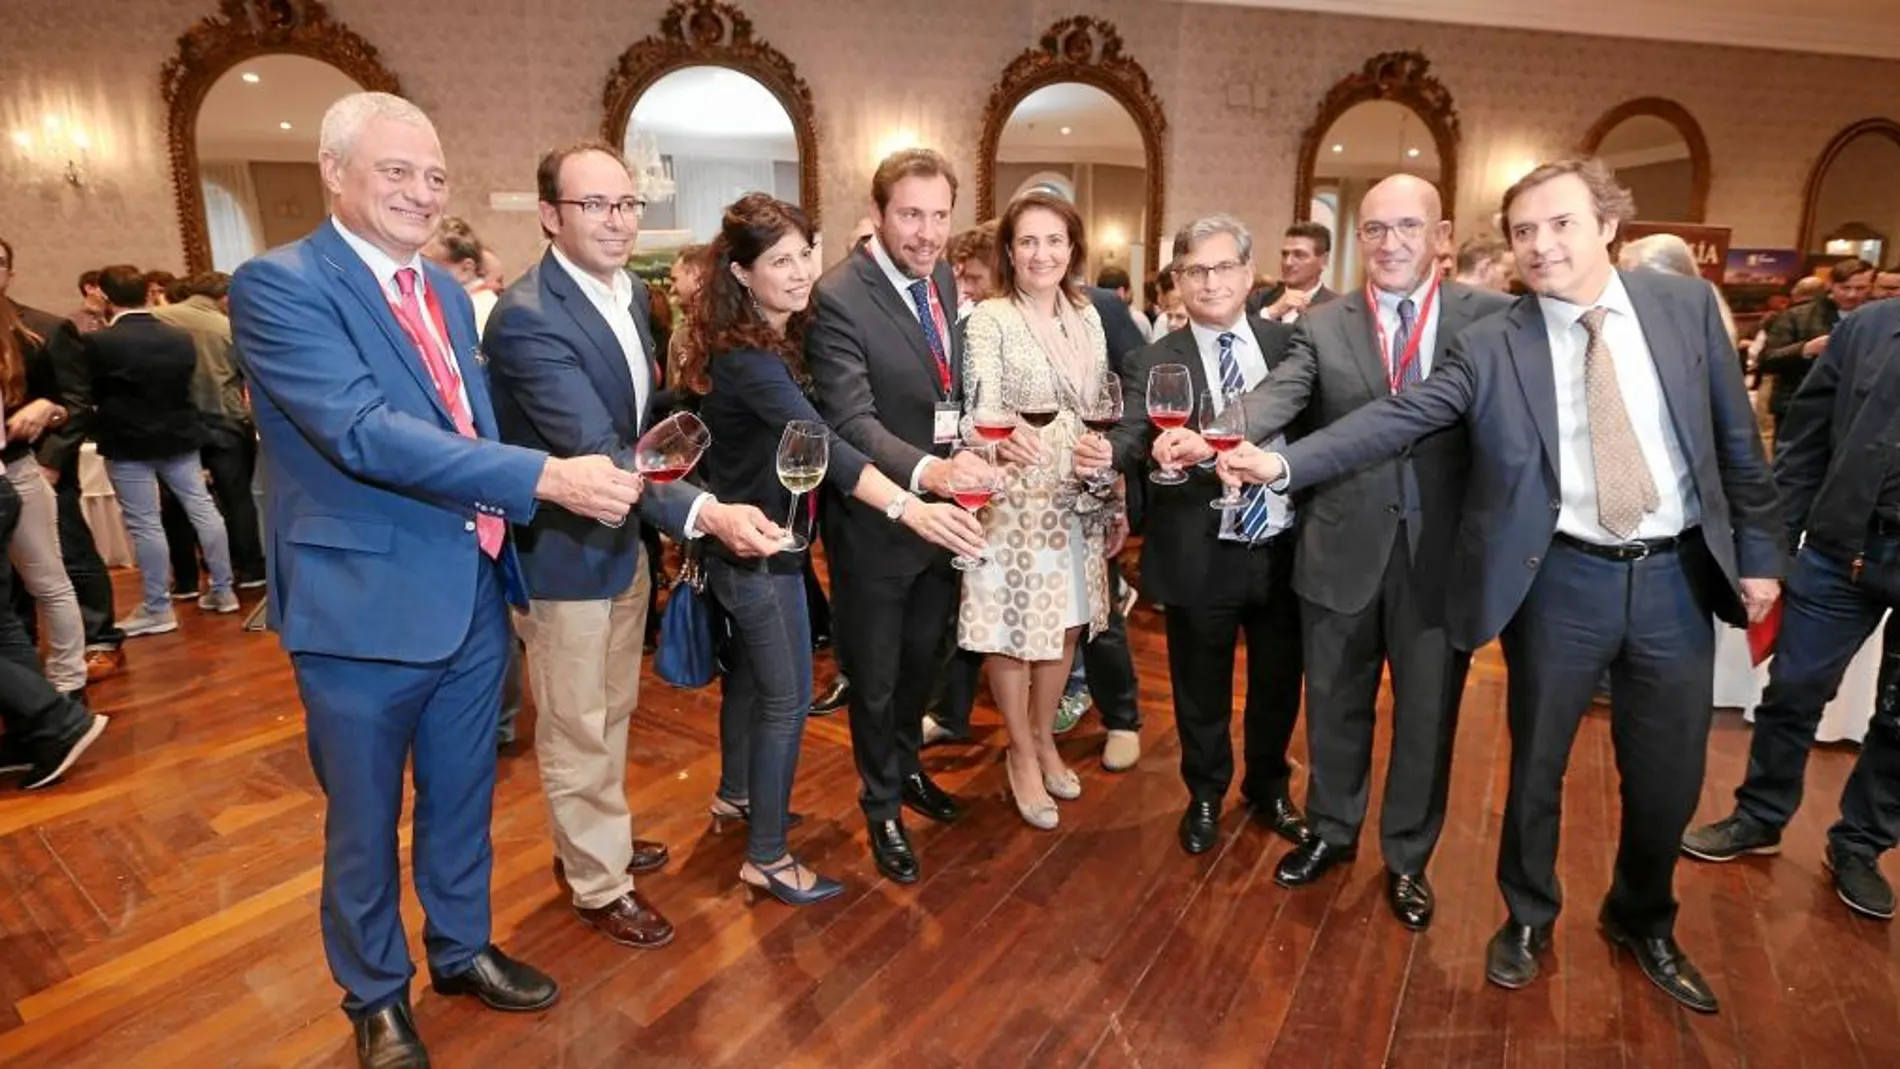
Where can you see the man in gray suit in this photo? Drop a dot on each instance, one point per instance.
(884, 359)
(1373, 547)
(1617, 498)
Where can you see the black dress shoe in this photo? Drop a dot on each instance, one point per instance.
(1510, 961)
(1280, 814)
(1200, 827)
(1309, 861)
(1410, 898)
(890, 848)
(1663, 962)
(923, 795)
(387, 1039)
(834, 698)
(501, 983)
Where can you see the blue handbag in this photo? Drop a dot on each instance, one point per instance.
(688, 655)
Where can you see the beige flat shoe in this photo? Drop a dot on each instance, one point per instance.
(1122, 752)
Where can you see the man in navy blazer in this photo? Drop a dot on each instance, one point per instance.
(1617, 498)
(389, 561)
(575, 372)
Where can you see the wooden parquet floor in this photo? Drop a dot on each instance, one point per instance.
(159, 909)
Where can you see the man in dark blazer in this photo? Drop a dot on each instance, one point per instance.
(1373, 549)
(1305, 251)
(1839, 488)
(1617, 499)
(1221, 573)
(884, 358)
(390, 563)
(575, 372)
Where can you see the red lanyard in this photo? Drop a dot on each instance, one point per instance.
(1406, 359)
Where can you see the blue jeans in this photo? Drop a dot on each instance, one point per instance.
(1826, 618)
(767, 695)
(136, 483)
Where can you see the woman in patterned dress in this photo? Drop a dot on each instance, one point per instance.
(1040, 345)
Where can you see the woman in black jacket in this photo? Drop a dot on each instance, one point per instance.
(746, 356)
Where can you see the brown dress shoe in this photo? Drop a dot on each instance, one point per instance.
(103, 664)
(631, 921)
(648, 856)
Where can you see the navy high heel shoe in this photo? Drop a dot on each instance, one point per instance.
(790, 893)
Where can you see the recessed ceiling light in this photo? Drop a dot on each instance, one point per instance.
(1339, 148)
(1412, 152)
(283, 126)
(1065, 131)
(250, 77)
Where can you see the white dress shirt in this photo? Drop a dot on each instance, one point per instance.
(901, 282)
(385, 270)
(615, 304)
(1253, 371)
(1679, 508)
(1389, 321)
(1292, 315)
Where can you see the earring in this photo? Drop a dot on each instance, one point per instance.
(757, 308)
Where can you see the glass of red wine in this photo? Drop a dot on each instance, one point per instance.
(1101, 419)
(991, 419)
(1224, 426)
(1037, 413)
(972, 492)
(670, 448)
(1170, 403)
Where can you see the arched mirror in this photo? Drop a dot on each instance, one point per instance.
(707, 112)
(1076, 117)
(246, 93)
(1657, 150)
(1390, 117)
(1851, 209)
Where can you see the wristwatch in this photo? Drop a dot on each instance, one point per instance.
(895, 510)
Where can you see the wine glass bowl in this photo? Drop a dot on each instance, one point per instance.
(668, 451)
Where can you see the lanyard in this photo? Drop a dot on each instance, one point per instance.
(1410, 355)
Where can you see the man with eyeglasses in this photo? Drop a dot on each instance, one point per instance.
(575, 371)
(1373, 549)
(1221, 573)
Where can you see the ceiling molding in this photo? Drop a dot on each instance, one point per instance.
(1842, 30)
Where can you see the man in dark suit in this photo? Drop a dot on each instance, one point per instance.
(1221, 573)
(575, 373)
(1373, 549)
(1304, 254)
(390, 567)
(1838, 487)
(884, 359)
(1617, 498)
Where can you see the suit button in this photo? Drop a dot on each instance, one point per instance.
(469, 526)
(1556, 505)
(1531, 562)
(1393, 509)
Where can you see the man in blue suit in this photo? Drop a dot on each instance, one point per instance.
(390, 569)
(575, 370)
(1617, 499)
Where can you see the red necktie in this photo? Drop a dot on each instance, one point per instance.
(488, 529)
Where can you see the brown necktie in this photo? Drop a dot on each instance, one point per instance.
(1625, 490)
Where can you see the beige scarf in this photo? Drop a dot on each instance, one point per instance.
(1065, 341)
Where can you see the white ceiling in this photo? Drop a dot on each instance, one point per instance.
(1848, 29)
(239, 120)
(1099, 129)
(689, 111)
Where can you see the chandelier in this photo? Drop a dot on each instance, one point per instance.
(652, 174)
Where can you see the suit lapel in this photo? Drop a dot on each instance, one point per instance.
(1454, 314)
(1355, 328)
(1188, 351)
(361, 284)
(1673, 352)
(902, 316)
(1530, 354)
(946, 282)
(556, 283)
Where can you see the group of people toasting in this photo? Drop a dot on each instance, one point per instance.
(1577, 472)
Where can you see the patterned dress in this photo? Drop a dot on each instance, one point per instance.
(1047, 572)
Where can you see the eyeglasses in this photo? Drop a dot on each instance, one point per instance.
(1375, 233)
(601, 207)
(1200, 273)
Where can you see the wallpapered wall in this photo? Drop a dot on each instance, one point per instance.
(505, 79)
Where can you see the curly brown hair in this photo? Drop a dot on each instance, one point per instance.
(722, 316)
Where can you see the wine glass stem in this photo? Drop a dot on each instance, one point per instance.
(791, 516)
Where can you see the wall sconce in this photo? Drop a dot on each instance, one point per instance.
(58, 148)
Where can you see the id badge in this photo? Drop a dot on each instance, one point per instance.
(946, 427)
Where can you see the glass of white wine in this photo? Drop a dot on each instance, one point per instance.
(804, 452)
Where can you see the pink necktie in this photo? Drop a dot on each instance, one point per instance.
(488, 529)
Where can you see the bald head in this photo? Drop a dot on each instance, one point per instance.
(1401, 229)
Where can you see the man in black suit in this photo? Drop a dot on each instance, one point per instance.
(1373, 549)
(884, 359)
(1304, 254)
(1617, 498)
(1221, 573)
(1839, 488)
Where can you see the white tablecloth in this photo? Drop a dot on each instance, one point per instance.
(1738, 685)
(101, 508)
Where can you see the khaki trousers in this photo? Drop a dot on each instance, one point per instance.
(584, 672)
